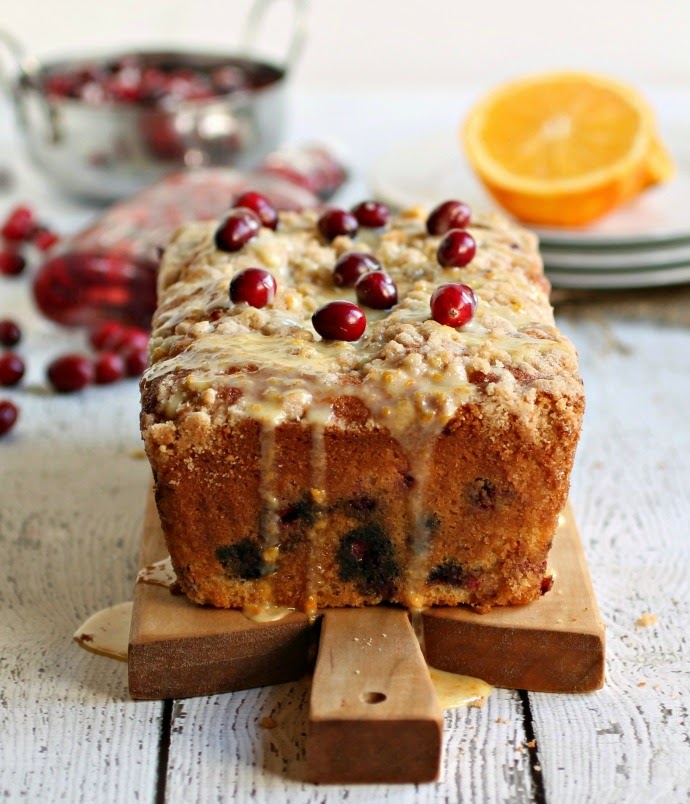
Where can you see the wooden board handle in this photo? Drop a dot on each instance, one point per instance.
(374, 714)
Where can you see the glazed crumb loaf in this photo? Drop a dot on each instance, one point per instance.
(420, 464)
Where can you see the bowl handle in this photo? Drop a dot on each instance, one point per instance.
(22, 74)
(17, 68)
(297, 37)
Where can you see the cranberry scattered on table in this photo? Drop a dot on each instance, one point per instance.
(122, 352)
(44, 239)
(112, 336)
(11, 263)
(18, 225)
(11, 369)
(10, 333)
(136, 361)
(70, 373)
(9, 413)
(109, 367)
(21, 227)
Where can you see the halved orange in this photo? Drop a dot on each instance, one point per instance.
(563, 149)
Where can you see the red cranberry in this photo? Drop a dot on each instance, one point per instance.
(453, 304)
(132, 338)
(351, 266)
(44, 239)
(108, 367)
(261, 206)
(376, 289)
(112, 336)
(360, 550)
(446, 216)
(162, 138)
(188, 85)
(70, 373)
(371, 214)
(153, 83)
(334, 222)
(8, 416)
(107, 336)
(237, 229)
(136, 362)
(339, 321)
(256, 286)
(456, 249)
(229, 79)
(11, 263)
(10, 334)
(19, 224)
(61, 85)
(93, 92)
(11, 368)
(125, 85)
(129, 81)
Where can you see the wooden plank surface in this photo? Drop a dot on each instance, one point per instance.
(69, 529)
(373, 712)
(555, 644)
(631, 490)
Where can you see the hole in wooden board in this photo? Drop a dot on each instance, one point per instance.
(373, 697)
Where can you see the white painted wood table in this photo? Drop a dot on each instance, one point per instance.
(71, 506)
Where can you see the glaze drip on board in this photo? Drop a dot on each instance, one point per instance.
(106, 633)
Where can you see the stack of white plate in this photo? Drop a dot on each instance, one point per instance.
(647, 243)
(644, 244)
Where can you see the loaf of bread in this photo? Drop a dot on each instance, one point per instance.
(420, 464)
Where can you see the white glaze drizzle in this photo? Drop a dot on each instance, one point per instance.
(160, 573)
(266, 613)
(454, 690)
(107, 632)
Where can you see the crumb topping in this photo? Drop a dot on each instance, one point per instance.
(208, 354)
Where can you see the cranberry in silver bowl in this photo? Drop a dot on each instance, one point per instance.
(103, 127)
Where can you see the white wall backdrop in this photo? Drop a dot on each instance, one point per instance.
(378, 43)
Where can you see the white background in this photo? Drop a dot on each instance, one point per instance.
(390, 43)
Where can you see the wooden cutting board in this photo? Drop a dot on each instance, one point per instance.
(374, 715)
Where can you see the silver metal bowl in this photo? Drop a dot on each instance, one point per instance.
(106, 151)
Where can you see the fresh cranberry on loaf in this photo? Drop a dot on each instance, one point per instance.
(319, 438)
